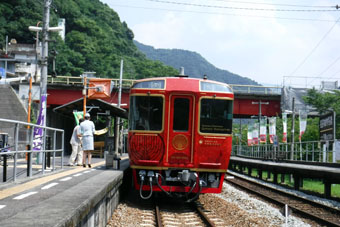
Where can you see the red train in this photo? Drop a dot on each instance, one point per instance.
(180, 135)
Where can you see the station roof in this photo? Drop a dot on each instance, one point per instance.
(93, 106)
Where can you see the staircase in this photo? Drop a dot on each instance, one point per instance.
(10, 105)
(11, 108)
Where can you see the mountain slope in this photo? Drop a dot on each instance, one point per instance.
(95, 40)
(194, 64)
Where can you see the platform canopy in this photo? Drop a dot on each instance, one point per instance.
(93, 106)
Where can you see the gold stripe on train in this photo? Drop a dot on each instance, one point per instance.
(174, 168)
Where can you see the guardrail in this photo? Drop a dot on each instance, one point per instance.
(19, 140)
(255, 89)
(311, 151)
(76, 80)
(69, 80)
(237, 88)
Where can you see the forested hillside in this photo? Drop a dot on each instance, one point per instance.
(194, 64)
(96, 39)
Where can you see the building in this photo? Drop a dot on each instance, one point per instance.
(20, 61)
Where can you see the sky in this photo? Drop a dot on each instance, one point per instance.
(274, 42)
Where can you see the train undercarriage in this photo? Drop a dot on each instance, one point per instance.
(177, 183)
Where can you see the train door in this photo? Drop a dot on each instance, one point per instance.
(181, 129)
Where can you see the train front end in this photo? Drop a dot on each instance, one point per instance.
(180, 135)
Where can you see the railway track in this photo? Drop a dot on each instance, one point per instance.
(318, 212)
(183, 214)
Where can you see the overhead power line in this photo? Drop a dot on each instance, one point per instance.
(273, 4)
(317, 45)
(329, 66)
(336, 73)
(225, 14)
(247, 8)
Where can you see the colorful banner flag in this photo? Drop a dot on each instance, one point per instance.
(303, 122)
(78, 115)
(38, 132)
(250, 134)
(272, 128)
(101, 131)
(256, 133)
(263, 129)
(284, 122)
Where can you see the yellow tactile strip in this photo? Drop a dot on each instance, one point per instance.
(31, 184)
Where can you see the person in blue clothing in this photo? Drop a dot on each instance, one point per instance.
(87, 130)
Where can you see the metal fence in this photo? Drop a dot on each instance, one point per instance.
(311, 151)
(254, 89)
(76, 80)
(127, 83)
(20, 144)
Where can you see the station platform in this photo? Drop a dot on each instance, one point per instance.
(72, 196)
(329, 174)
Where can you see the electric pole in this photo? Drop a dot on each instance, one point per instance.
(117, 120)
(293, 129)
(44, 61)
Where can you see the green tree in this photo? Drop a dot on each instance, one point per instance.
(325, 102)
(95, 39)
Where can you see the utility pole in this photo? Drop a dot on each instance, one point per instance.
(120, 83)
(39, 135)
(43, 81)
(6, 57)
(44, 61)
(85, 95)
(334, 135)
(117, 119)
(44, 58)
(293, 129)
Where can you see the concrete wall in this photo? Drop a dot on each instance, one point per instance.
(97, 210)
(101, 214)
(11, 108)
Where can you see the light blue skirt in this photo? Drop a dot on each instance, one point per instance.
(87, 143)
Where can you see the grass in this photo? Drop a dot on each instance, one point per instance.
(318, 186)
(312, 185)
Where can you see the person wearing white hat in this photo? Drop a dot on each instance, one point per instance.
(87, 129)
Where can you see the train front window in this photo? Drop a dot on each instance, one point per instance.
(181, 114)
(146, 113)
(216, 116)
(150, 84)
(209, 86)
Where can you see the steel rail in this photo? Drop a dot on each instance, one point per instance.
(194, 207)
(158, 217)
(316, 211)
(203, 216)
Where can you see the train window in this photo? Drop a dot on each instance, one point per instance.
(208, 86)
(216, 116)
(181, 114)
(155, 84)
(146, 113)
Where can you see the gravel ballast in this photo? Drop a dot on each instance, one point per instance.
(235, 207)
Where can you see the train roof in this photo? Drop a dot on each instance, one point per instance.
(182, 84)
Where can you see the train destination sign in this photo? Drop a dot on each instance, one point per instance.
(327, 126)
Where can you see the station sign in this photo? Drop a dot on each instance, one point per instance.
(326, 126)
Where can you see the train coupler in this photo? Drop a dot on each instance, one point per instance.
(142, 175)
